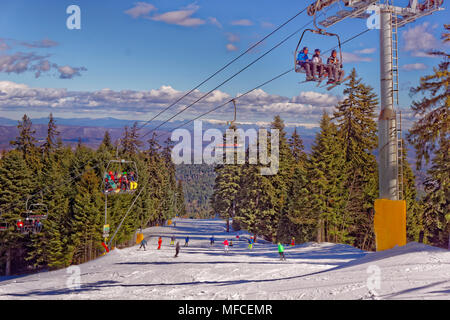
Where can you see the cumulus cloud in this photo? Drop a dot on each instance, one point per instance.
(242, 22)
(20, 62)
(140, 9)
(414, 66)
(45, 43)
(266, 24)
(231, 47)
(182, 17)
(419, 40)
(258, 105)
(316, 98)
(68, 72)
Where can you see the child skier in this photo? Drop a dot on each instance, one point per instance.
(281, 251)
(225, 243)
(159, 243)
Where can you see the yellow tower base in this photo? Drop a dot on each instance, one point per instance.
(390, 223)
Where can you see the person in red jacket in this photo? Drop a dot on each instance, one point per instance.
(159, 243)
(225, 243)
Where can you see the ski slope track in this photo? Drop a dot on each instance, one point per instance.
(311, 271)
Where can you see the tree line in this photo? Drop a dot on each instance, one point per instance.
(69, 181)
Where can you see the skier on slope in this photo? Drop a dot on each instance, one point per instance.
(143, 244)
(177, 249)
(211, 241)
(281, 251)
(250, 243)
(186, 241)
(159, 243)
(172, 240)
(225, 244)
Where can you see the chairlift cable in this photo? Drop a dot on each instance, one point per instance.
(224, 67)
(261, 85)
(230, 78)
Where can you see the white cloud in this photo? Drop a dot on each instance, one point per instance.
(232, 37)
(414, 66)
(366, 51)
(68, 72)
(140, 9)
(45, 43)
(316, 98)
(257, 106)
(242, 22)
(265, 24)
(180, 17)
(231, 47)
(419, 40)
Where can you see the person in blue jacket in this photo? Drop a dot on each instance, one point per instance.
(305, 62)
(186, 241)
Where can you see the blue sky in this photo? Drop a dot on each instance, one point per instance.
(132, 58)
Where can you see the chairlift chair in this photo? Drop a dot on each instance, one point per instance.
(4, 226)
(110, 183)
(312, 11)
(298, 68)
(230, 123)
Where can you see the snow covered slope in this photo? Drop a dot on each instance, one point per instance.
(312, 271)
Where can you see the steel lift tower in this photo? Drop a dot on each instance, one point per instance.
(390, 209)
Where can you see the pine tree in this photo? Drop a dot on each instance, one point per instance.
(297, 147)
(26, 143)
(355, 117)
(227, 187)
(16, 182)
(52, 133)
(327, 178)
(87, 218)
(437, 200)
(130, 141)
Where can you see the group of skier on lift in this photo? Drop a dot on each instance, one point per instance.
(316, 70)
(30, 225)
(120, 182)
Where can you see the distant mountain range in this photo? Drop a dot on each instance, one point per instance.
(91, 131)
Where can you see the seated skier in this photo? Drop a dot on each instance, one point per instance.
(305, 63)
(317, 65)
(335, 72)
